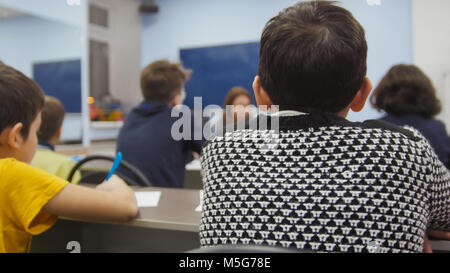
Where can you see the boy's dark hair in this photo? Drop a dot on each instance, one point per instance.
(21, 99)
(52, 118)
(162, 81)
(405, 89)
(313, 56)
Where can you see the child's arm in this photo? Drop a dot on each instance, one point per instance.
(110, 201)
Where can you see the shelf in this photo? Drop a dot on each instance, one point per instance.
(106, 124)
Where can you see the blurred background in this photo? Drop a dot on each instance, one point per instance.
(89, 54)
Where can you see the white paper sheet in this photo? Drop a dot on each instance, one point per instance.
(199, 208)
(148, 199)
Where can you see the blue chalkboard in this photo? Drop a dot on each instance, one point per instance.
(218, 69)
(61, 80)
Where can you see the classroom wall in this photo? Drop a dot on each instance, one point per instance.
(431, 38)
(58, 10)
(201, 23)
(75, 15)
(29, 39)
(124, 38)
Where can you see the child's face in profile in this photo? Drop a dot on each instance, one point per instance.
(28, 147)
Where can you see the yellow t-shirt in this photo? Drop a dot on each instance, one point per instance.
(24, 190)
(56, 164)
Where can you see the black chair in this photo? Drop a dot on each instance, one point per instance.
(246, 249)
(97, 177)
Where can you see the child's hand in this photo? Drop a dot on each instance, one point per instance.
(110, 201)
(114, 183)
(437, 234)
(427, 245)
(119, 189)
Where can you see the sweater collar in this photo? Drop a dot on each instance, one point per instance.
(150, 107)
(298, 120)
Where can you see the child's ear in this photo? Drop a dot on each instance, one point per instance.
(12, 136)
(262, 99)
(59, 133)
(175, 101)
(361, 97)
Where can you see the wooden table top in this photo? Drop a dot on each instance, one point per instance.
(175, 211)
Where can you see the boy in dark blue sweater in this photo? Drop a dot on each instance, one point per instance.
(146, 139)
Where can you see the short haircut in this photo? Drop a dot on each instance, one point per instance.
(406, 89)
(21, 99)
(162, 81)
(52, 118)
(313, 56)
(236, 92)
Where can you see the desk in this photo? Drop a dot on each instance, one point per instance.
(172, 227)
(440, 246)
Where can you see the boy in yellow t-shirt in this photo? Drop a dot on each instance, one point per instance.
(30, 199)
(49, 134)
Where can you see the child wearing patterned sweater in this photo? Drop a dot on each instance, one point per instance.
(323, 183)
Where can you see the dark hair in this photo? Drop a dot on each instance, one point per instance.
(162, 80)
(405, 89)
(313, 56)
(234, 93)
(21, 99)
(52, 118)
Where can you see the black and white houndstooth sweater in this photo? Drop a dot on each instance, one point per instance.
(327, 185)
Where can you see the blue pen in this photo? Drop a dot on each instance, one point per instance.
(115, 165)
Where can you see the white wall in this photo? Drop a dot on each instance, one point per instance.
(75, 15)
(124, 38)
(431, 24)
(61, 32)
(29, 39)
(57, 10)
(200, 23)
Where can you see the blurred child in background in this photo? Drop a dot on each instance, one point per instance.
(236, 111)
(408, 97)
(49, 135)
